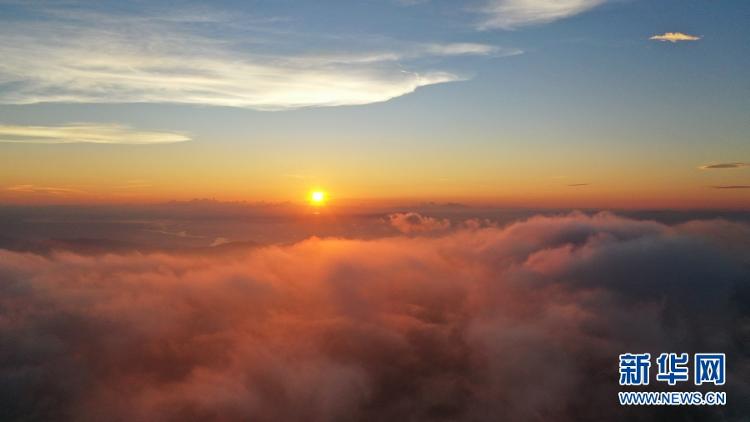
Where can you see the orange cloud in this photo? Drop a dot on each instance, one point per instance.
(674, 37)
(45, 190)
(523, 321)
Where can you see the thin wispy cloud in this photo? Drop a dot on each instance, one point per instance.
(464, 49)
(512, 14)
(577, 185)
(674, 37)
(405, 52)
(134, 184)
(731, 187)
(410, 2)
(44, 190)
(92, 133)
(734, 165)
(89, 58)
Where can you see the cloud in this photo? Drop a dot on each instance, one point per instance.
(731, 187)
(98, 58)
(576, 185)
(512, 14)
(179, 233)
(219, 241)
(412, 222)
(46, 190)
(724, 166)
(86, 133)
(674, 37)
(135, 184)
(462, 49)
(406, 52)
(410, 2)
(524, 321)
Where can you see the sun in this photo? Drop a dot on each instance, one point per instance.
(318, 197)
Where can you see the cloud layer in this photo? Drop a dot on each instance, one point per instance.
(94, 58)
(412, 222)
(46, 190)
(674, 37)
(86, 133)
(511, 14)
(731, 187)
(524, 322)
(734, 165)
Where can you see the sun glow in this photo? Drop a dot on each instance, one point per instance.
(318, 197)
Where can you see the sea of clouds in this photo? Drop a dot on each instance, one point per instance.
(469, 322)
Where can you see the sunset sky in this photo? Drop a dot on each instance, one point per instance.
(579, 103)
(374, 210)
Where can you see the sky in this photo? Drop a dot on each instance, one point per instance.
(574, 103)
